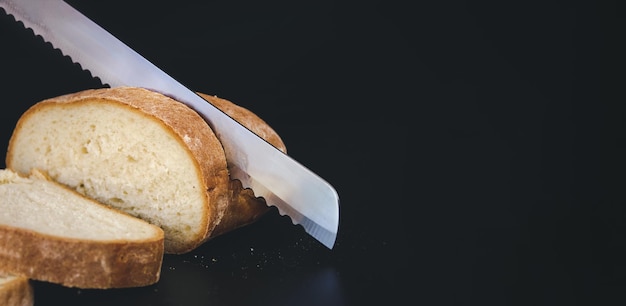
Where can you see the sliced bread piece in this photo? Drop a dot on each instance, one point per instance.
(143, 153)
(51, 233)
(16, 291)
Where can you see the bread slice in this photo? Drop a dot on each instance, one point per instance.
(51, 233)
(16, 291)
(143, 153)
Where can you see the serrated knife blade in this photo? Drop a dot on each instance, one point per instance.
(283, 182)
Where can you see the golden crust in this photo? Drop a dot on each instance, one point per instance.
(17, 292)
(80, 263)
(247, 119)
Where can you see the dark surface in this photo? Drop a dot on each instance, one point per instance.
(512, 193)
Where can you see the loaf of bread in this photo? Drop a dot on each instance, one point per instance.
(144, 153)
(16, 291)
(51, 233)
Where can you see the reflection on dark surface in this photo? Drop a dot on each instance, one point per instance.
(210, 281)
(315, 288)
(228, 271)
(187, 284)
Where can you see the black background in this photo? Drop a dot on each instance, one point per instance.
(477, 147)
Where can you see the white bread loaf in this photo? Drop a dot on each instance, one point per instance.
(16, 291)
(143, 153)
(51, 233)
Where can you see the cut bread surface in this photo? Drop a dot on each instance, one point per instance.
(117, 156)
(143, 153)
(51, 233)
(39, 205)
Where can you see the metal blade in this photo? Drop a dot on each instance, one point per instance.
(281, 181)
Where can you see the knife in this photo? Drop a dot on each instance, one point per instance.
(283, 182)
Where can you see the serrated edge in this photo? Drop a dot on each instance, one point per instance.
(50, 45)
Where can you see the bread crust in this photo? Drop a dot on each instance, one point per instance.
(17, 292)
(228, 206)
(248, 119)
(80, 263)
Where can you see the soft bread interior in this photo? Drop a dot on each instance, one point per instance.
(39, 205)
(122, 158)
